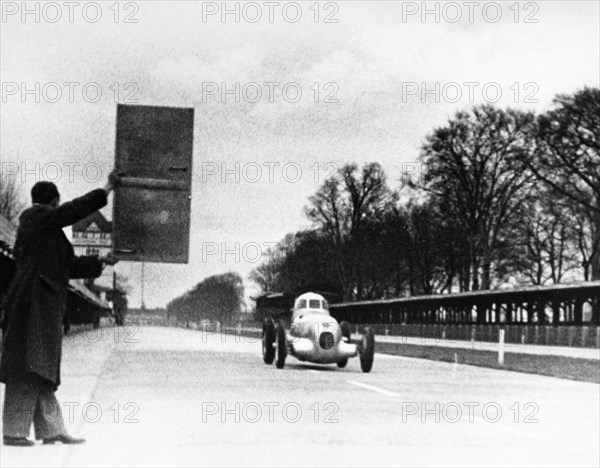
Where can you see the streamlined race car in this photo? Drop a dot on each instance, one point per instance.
(315, 336)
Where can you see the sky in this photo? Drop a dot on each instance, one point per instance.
(280, 99)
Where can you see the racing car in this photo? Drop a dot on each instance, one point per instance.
(315, 336)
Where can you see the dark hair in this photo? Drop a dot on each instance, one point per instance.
(44, 192)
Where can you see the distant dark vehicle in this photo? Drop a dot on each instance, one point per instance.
(120, 309)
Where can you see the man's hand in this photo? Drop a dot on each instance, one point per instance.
(113, 181)
(109, 259)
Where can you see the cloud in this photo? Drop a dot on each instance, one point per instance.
(368, 55)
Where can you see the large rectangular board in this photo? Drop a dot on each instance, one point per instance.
(151, 211)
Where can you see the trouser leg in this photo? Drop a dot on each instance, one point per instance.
(20, 399)
(48, 419)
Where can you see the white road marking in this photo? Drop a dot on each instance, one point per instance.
(374, 389)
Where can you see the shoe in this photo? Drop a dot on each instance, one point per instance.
(63, 439)
(17, 441)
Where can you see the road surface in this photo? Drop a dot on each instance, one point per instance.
(172, 397)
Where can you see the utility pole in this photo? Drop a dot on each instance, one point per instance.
(143, 307)
(114, 293)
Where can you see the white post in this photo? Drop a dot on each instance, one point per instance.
(455, 364)
(501, 347)
(143, 306)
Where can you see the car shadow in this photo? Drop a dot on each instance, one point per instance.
(317, 367)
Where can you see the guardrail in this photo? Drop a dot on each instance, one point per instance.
(574, 336)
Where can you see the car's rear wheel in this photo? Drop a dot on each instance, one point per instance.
(366, 349)
(281, 345)
(268, 341)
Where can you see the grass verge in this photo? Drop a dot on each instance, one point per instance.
(586, 370)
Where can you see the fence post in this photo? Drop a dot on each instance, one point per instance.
(501, 347)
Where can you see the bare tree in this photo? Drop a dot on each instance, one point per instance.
(11, 200)
(548, 240)
(567, 158)
(421, 247)
(471, 169)
(265, 275)
(583, 236)
(342, 209)
(300, 262)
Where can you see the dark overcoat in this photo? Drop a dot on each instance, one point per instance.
(35, 302)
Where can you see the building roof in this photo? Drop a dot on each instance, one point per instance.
(268, 295)
(97, 218)
(509, 295)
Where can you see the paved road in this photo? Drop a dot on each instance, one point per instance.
(172, 397)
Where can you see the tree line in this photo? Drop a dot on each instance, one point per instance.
(216, 298)
(501, 196)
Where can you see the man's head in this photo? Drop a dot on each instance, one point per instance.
(45, 193)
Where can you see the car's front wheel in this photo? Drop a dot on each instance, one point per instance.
(366, 349)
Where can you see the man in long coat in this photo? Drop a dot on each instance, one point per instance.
(33, 312)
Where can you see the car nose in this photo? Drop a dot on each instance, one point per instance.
(331, 328)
